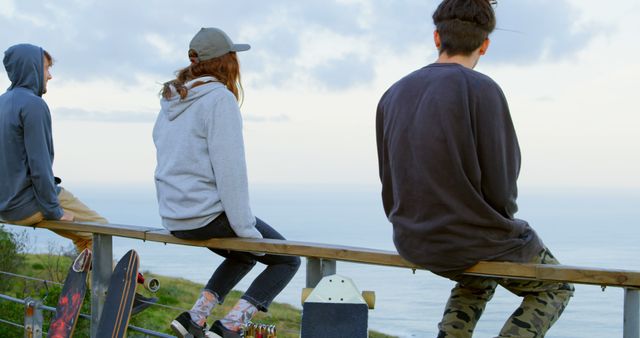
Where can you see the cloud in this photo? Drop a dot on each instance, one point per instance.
(533, 30)
(79, 114)
(118, 39)
(251, 118)
(345, 72)
(7, 8)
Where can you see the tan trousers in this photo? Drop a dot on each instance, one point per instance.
(82, 213)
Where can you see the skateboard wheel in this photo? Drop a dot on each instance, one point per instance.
(305, 293)
(152, 284)
(370, 298)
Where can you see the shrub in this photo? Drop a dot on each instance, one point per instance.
(11, 249)
(11, 259)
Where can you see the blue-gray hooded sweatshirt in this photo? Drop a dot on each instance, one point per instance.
(27, 184)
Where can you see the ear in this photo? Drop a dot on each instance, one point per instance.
(484, 46)
(436, 39)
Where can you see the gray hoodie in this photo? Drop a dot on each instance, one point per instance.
(201, 170)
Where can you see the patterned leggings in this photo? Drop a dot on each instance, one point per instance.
(542, 304)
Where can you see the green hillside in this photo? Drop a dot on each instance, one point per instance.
(176, 293)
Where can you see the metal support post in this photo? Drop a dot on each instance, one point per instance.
(318, 268)
(32, 318)
(631, 313)
(102, 267)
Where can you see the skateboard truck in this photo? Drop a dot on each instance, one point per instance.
(141, 302)
(82, 262)
(368, 296)
(151, 284)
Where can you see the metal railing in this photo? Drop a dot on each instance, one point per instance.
(33, 323)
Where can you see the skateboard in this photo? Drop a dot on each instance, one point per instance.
(117, 306)
(71, 297)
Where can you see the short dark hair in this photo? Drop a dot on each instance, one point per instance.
(48, 57)
(463, 25)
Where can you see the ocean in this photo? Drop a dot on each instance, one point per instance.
(582, 227)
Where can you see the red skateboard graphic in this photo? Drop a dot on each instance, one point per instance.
(71, 297)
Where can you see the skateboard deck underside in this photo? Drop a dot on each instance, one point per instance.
(117, 306)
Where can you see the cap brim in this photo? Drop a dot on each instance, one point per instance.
(240, 47)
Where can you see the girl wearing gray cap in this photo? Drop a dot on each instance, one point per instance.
(202, 187)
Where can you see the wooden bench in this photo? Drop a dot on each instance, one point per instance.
(321, 260)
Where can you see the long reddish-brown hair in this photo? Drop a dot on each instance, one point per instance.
(225, 69)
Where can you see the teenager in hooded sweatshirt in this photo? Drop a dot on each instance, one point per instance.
(29, 192)
(202, 187)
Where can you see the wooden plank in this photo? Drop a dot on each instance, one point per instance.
(273, 246)
(580, 275)
(293, 248)
(130, 231)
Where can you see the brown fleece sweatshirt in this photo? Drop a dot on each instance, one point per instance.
(449, 160)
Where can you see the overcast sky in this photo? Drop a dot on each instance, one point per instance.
(314, 75)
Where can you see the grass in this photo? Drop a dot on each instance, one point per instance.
(177, 293)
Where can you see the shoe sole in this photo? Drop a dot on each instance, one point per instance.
(179, 329)
(183, 333)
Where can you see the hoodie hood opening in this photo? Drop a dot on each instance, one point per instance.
(24, 64)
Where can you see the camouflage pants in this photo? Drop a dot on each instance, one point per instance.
(542, 304)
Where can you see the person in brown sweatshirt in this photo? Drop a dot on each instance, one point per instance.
(449, 160)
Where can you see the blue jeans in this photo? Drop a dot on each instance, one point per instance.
(280, 269)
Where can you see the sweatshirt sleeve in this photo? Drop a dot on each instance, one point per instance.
(39, 148)
(226, 151)
(383, 158)
(498, 151)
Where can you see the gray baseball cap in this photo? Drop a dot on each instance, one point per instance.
(212, 42)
